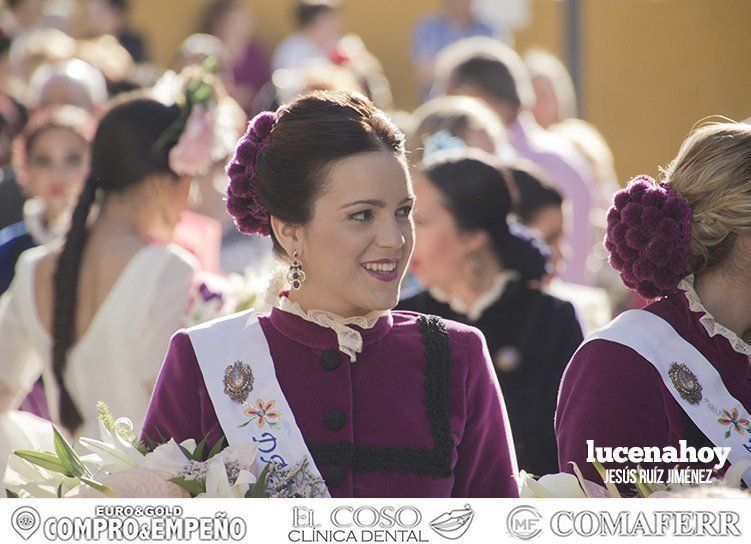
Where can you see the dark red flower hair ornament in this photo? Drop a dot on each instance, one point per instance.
(648, 236)
(243, 203)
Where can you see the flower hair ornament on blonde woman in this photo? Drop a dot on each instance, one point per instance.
(650, 264)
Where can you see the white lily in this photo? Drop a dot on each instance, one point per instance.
(561, 485)
(25, 478)
(218, 486)
(734, 474)
(115, 453)
(167, 458)
(244, 455)
(189, 444)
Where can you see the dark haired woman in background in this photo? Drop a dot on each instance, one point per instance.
(95, 314)
(539, 207)
(478, 267)
(384, 404)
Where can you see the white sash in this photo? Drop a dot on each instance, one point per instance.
(263, 415)
(658, 342)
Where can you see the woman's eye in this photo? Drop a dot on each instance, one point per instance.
(404, 211)
(74, 160)
(362, 217)
(41, 162)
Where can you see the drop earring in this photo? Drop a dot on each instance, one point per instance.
(296, 275)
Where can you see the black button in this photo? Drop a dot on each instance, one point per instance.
(335, 419)
(331, 359)
(334, 476)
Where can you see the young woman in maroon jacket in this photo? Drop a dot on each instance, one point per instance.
(386, 403)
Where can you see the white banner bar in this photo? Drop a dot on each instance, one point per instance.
(470, 521)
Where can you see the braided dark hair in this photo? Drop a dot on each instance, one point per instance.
(123, 155)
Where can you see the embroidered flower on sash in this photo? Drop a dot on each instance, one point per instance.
(263, 413)
(740, 425)
(238, 381)
(685, 383)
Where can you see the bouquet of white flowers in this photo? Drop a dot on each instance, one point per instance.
(119, 465)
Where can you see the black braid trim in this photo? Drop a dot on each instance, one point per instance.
(435, 462)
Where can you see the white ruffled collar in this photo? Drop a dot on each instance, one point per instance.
(712, 327)
(349, 340)
(483, 302)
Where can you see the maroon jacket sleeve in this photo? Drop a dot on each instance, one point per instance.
(611, 395)
(486, 464)
(180, 406)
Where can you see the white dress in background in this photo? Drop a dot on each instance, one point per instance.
(118, 358)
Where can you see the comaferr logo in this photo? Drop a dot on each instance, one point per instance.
(524, 522)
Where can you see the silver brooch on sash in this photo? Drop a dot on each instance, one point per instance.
(685, 383)
(238, 381)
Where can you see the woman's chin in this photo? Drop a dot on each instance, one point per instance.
(384, 302)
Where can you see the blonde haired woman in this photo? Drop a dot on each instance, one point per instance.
(678, 369)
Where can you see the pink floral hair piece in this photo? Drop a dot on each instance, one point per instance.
(243, 202)
(648, 236)
(191, 156)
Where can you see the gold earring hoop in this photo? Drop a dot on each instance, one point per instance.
(296, 274)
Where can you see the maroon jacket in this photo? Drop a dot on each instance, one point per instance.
(611, 395)
(415, 416)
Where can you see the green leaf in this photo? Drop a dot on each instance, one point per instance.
(68, 457)
(610, 486)
(258, 491)
(60, 491)
(198, 452)
(185, 451)
(47, 461)
(194, 487)
(11, 494)
(202, 94)
(210, 65)
(644, 488)
(99, 487)
(216, 448)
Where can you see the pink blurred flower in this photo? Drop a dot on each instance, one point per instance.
(191, 156)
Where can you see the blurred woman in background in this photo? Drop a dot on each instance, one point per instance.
(51, 161)
(478, 267)
(94, 315)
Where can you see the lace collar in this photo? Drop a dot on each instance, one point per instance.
(712, 327)
(349, 339)
(483, 302)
